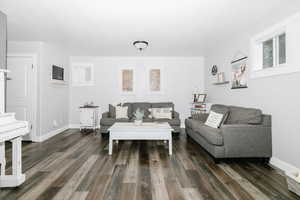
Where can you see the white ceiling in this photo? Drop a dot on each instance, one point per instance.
(172, 27)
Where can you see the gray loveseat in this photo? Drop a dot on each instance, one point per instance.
(244, 133)
(109, 118)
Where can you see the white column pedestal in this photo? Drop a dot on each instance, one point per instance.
(17, 178)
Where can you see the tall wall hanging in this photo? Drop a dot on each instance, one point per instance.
(239, 72)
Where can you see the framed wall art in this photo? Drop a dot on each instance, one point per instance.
(127, 80)
(239, 76)
(155, 80)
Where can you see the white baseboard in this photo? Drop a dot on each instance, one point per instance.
(282, 165)
(77, 126)
(73, 126)
(51, 134)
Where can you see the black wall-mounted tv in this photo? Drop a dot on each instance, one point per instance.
(57, 73)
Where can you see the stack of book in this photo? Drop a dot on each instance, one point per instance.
(197, 108)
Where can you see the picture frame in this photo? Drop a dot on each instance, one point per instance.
(239, 73)
(199, 98)
(155, 80)
(127, 80)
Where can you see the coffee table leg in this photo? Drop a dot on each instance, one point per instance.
(170, 146)
(110, 146)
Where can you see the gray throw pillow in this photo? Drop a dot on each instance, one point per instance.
(112, 111)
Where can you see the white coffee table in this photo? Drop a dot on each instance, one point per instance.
(146, 131)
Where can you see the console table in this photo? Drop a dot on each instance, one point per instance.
(89, 117)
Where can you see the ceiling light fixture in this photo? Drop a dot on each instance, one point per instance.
(140, 45)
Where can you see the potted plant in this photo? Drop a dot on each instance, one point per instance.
(138, 117)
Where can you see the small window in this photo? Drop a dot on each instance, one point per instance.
(274, 51)
(282, 49)
(268, 50)
(82, 75)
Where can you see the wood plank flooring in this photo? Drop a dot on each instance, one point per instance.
(75, 166)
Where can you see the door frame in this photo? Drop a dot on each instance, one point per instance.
(34, 98)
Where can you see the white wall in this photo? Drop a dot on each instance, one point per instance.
(181, 76)
(53, 100)
(276, 95)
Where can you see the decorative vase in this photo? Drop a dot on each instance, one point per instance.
(138, 122)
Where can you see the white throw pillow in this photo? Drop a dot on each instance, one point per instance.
(121, 112)
(214, 119)
(161, 113)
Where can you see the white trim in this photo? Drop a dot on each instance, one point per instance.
(77, 126)
(282, 165)
(34, 105)
(58, 82)
(278, 69)
(51, 134)
(161, 92)
(274, 71)
(121, 78)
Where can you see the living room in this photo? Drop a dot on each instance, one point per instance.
(149, 99)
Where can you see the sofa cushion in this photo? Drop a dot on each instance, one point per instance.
(112, 110)
(172, 122)
(129, 111)
(111, 121)
(214, 119)
(211, 135)
(191, 123)
(161, 113)
(121, 112)
(163, 105)
(143, 106)
(240, 115)
(221, 109)
(218, 108)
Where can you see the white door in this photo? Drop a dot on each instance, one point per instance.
(20, 90)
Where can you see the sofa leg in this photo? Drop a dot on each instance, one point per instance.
(265, 160)
(217, 160)
(175, 134)
(105, 135)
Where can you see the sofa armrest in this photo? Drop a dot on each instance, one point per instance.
(105, 115)
(200, 117)
(247, 140)
(175, 115)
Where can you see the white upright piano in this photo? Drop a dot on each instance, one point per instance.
(10, 130)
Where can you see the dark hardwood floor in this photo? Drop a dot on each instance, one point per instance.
(75, 166)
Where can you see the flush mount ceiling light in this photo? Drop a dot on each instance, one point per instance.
(140, 45)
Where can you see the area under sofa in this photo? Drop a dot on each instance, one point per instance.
(109, 118)
(244, 133)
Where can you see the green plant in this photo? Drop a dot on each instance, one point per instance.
(139, 114)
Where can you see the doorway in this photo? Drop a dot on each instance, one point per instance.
(21, 90)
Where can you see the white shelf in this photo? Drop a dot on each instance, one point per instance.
(221, 83)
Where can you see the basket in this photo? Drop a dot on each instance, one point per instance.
(293, 182)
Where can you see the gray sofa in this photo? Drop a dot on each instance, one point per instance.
(244, 133)
(109, 118)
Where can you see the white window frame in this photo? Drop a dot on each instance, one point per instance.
(82, 65)
(121, 80)
(256, 56)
